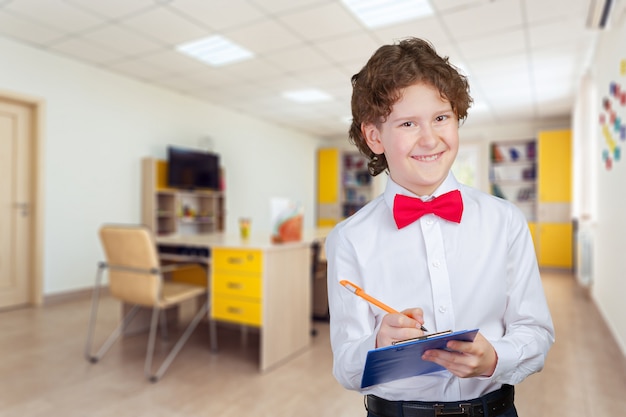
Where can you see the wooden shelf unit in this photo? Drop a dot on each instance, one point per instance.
(513, 174)
(168, 211)
(344, 185)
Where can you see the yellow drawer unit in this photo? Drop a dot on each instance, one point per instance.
(237, 310)
(237, 286)
(237, 260)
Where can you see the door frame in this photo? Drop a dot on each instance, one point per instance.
(35, 284)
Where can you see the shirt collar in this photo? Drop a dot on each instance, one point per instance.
(392, 188)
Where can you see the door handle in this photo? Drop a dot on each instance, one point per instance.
(24, 207)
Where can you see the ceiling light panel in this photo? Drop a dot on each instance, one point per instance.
(307, 96)
(215, 50)
(378, 13)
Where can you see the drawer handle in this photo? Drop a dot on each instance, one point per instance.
(235, 260)
(234, 286)
(234, 310)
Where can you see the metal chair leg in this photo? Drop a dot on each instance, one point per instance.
(92, 322)
(177, 347)
(163, 319)
(95, 299)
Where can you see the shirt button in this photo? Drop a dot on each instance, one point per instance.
(442, 309)
(436, 264)
(429, 222)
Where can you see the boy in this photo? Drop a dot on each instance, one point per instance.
(471, 266)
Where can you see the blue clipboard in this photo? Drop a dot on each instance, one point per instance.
(404, 359)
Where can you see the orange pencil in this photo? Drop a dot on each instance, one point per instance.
(358, 291)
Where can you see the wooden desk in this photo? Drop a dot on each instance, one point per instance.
(256, 283)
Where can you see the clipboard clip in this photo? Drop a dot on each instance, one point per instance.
(424, 337)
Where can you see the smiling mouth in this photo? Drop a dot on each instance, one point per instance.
(428, 158)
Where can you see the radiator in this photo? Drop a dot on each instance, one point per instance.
(584, 256)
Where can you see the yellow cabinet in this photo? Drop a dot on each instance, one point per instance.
(554, 239)
(237, 286)
(555, 245)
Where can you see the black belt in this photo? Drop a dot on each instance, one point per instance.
(496, 403)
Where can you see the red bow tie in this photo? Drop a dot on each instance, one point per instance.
(448, 206)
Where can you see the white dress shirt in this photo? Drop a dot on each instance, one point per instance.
(480, 273)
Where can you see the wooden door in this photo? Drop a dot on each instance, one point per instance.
(16, 203)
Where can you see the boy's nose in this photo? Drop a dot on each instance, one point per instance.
(426, 136)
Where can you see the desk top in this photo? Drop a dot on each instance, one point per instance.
(255, 241)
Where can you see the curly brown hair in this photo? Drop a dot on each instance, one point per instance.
(378, 86)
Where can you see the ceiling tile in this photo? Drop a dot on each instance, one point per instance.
(121, 39)
(263, 36)
(495, 16)
(27, 30)
(173, 61)
(297, 59)
(563, 31)
(55, 13)
(321, 22)
(165, 26)
(281, 6)
(456, 5)
(538, 12)
(358, 47)
(138, 69)
(506, 43)
(253, 70)
(216, 15)
(113, 9)
(80, 49)
(429, 28)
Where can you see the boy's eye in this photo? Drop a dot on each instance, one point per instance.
(408, 124)
(442, 118)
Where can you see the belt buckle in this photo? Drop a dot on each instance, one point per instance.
(464, 409)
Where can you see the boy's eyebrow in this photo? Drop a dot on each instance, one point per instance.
(413, 116)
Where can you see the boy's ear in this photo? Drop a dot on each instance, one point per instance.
(372, 138)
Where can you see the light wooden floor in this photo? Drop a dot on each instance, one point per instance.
(43, 373)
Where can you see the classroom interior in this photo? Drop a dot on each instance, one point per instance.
(100, 136)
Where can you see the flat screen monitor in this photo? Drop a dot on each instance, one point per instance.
(191, 168)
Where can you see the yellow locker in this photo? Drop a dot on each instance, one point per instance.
(328, 176)
(555, 245)
(554, 240)
(555, 166)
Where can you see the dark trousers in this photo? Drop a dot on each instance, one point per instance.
(498, 403)
(511, 412)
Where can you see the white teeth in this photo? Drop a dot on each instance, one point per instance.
(427, 158)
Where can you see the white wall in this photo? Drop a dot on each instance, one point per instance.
(98, 126)
(609, 268)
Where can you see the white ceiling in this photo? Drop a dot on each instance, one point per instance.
(524, 58)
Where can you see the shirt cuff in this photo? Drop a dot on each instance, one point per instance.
(507, 361)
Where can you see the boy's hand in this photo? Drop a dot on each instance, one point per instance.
(469, 359)
(397, 327)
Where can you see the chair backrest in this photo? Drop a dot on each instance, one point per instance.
(133, 263)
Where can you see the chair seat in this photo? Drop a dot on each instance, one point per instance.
(176, 292)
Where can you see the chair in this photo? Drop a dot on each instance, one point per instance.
(136, 277)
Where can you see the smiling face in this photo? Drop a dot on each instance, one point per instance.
(419, 138)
